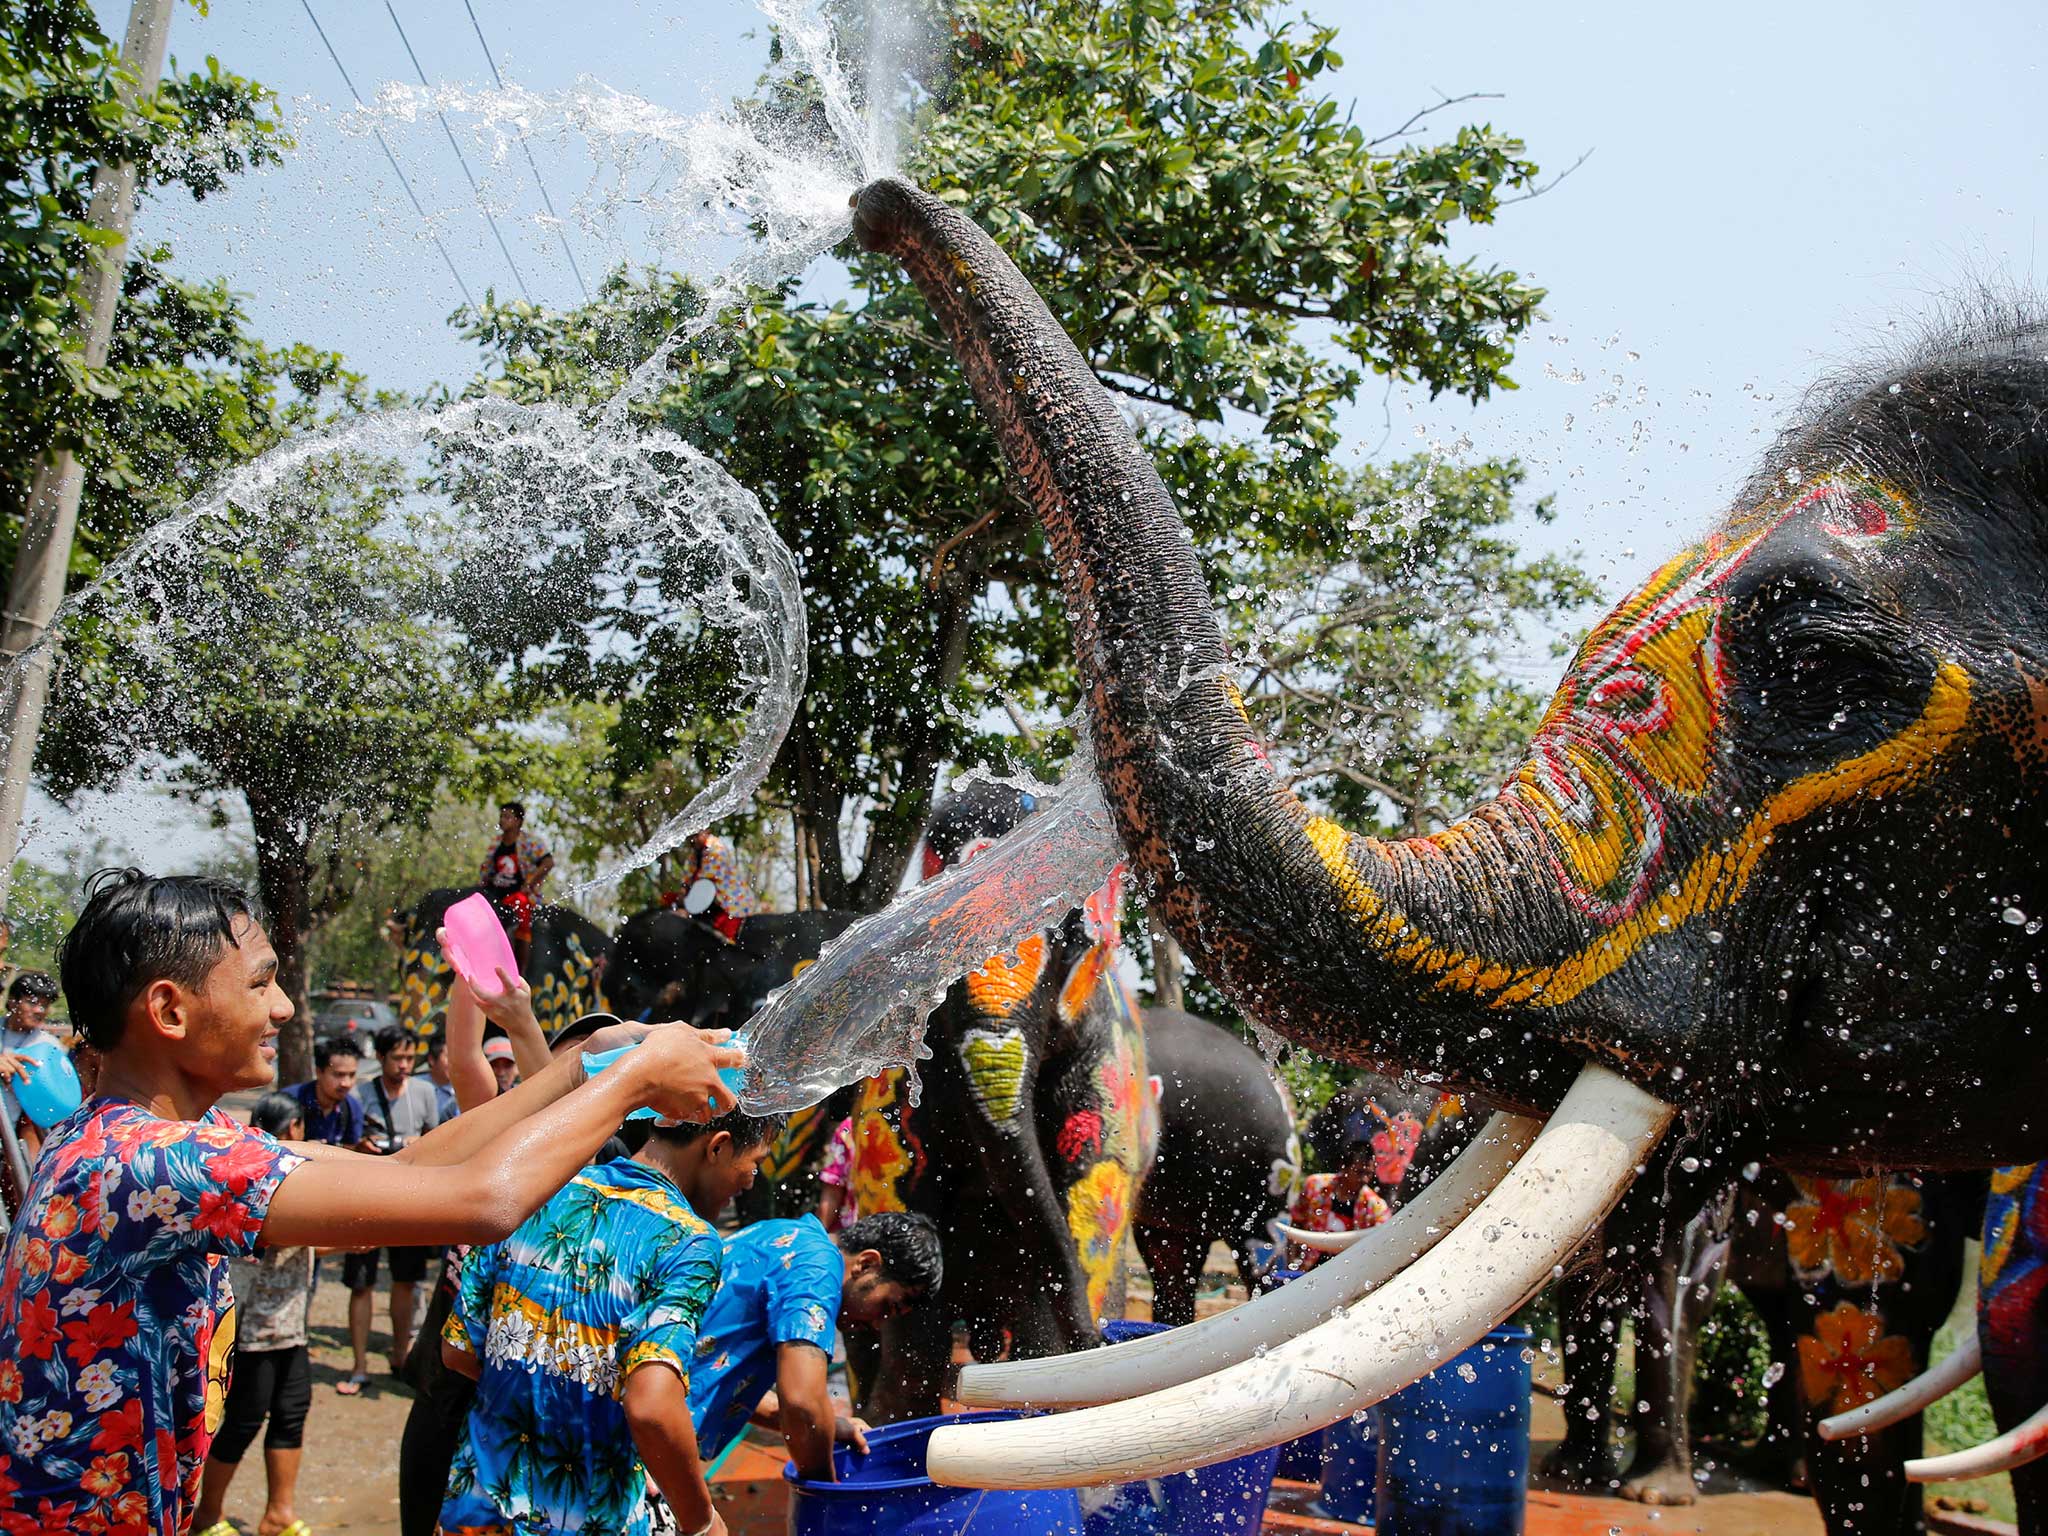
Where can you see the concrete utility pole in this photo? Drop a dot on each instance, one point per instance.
(44, 554)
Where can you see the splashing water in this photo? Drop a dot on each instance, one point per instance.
(670, 539)
(862, 1007)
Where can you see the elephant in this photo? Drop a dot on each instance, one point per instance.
(564, 966)
(1028, 1143)
(723, 982)
(1228, 1156)
(1771, 869)
(1852, 1278)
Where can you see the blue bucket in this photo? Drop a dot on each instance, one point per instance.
(1350, 1475)
(49, 1091)
(1454, 1448)
(1217, 1500)
(885, 1493)
(1303, 1460)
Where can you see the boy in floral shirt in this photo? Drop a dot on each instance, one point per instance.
(116, 1309)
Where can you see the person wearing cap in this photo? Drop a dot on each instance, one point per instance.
(28, 1010)
(504, 1064)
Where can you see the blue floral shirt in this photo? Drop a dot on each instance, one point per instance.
(117, 1315)
(610, 1275)
(782, 1286)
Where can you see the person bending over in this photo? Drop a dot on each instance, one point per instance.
(787, 1286)
(117, 1316)
(578, 1330)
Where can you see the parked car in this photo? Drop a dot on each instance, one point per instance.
(359, 1018)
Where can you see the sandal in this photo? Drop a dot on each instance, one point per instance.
(296, 1528)
(353, 1387)
(223, 1528)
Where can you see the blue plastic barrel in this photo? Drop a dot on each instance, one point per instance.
(1301, 1460)
(1454, 1448)
(1351, 1470)
(1228, 1497)
(885, 1493)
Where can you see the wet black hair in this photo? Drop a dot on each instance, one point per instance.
(275, 1112)
(909, 1245)
(138, 929)
(747, 1131)
(516, 807)
(333, 1046)
(32, 984)
(390, 1038)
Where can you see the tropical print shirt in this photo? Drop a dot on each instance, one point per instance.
(511, 874)
(612, 1274)
(717, 863)
(782, 1286)
(838, 1172)
(117, 1315)
(1319, 1208)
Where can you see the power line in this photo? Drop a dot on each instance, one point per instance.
(460, 159)
(527, 150)
(396, 170)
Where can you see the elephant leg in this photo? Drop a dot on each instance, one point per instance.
(2012, 1321)
(1174, 1260)
(916, 1356)
(1590, 1336)
(1683, 1284)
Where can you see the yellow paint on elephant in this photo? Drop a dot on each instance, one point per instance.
(879, 1158)
(1098, 1216)
(1713, 883)
(995, 1063)
(792, 1144)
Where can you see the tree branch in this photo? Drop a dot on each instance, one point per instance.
(1448, 101)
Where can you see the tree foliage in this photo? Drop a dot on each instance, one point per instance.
(61, 118)
(1229, 251)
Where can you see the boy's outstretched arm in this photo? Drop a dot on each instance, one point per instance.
(483, 1173)
(804, 1410)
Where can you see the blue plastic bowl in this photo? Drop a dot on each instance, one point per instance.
(1228, 1497)
(49, 1090)
(1454, 1447)
(885, 1493)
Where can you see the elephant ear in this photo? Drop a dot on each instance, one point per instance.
(1099, 918)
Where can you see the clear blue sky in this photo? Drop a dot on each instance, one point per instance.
(1770, 186)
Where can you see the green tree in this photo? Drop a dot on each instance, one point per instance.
(289, 658)
(1232, 255)
(63, 120)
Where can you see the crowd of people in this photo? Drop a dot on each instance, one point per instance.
(591, 1343)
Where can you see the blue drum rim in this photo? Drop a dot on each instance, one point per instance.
(891, 1432)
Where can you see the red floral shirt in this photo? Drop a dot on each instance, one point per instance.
(117, 1316)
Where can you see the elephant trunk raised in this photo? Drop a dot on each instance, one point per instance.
(1302, 923)
(1307, 928)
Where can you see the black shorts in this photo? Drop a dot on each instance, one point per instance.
(273, 1383)
(359, 1270)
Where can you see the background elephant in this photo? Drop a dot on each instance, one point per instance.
(1228, 1157)
(1851, 1277)
(1034, 1131)
(565, 964)
(723, 983)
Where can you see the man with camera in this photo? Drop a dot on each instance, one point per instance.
(398, 1108)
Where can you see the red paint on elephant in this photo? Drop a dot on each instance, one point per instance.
(1081, 1136)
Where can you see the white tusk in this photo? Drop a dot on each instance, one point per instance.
(1183, 1354)
(1509, 1248)
(1903, 1402)
(2015, 1448)
(1322, 1242)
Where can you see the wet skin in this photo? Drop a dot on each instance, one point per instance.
(1775, 853)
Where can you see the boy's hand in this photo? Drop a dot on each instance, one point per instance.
(676, 1071)
(13, 1066)
(851, 1431)
(612, 1036)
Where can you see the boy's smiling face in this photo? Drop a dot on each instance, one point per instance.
(230, 1024)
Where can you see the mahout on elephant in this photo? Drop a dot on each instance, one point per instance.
(565, 965)
(1228, 1157)
(1771, 870)
(1033, 1132)
(721, 981)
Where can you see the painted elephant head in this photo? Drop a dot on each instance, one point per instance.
(1773, 859)
(565, 965)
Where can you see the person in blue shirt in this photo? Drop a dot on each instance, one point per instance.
(579, 1331)
(766, 1340)
(334, 1115)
